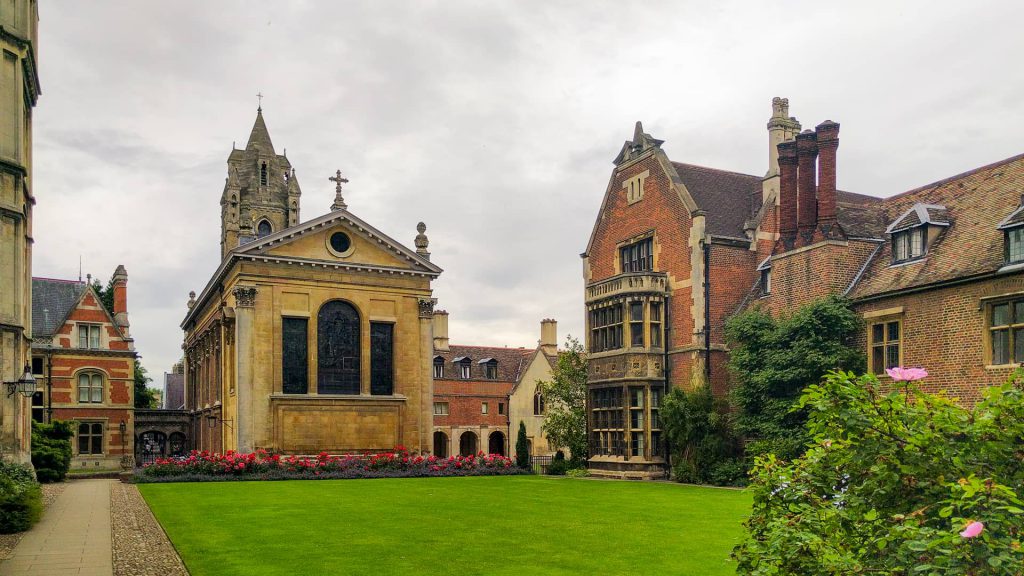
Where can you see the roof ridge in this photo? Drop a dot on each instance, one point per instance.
(949, 179)
(699, 167)
(492, 347)
(58, 280)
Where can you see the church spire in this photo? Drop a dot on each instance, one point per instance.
(259, 138)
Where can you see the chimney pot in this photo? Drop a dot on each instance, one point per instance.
(549, 336)
(440, 329)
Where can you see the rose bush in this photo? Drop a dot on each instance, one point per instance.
(895, 482)
(263, 465)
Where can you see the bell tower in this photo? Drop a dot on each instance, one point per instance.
(261, 192)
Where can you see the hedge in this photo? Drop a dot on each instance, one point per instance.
(21, 500)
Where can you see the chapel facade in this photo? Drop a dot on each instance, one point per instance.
(310, 336)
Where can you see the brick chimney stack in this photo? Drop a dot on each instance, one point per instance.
(787, 191)
(121, 298)
(549, 336)
(828, 142)
(807, 199)
(440, 325)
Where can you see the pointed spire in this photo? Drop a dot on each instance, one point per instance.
(638, 133)
(259, 138)
(293, 184)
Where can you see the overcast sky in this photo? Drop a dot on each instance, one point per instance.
(493, 122)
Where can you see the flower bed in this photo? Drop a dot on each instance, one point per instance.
(262, 465)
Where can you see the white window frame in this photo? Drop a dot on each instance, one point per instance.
(440, 408)
(93, 388)
(92, 334)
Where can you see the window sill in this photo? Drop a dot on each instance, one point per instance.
(917, 260)
(1002, 366)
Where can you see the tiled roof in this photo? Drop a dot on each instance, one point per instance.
(52, 302)
(511, 361)
(971, 245)
(726, 197)
(920, 214)
(1016, 218)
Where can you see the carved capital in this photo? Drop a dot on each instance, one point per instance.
(426, 307)
(245, 296)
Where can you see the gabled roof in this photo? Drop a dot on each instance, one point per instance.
(726, 197)
(258, 250)
(52, 303)
(971, 243)
(1015, 219)
(512, 362)
(919, 214)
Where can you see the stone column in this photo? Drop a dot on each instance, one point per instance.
(425, 412)
(245, 302)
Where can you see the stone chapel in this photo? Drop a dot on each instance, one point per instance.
(310, 336)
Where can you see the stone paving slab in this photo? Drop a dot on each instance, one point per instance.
(72, 539)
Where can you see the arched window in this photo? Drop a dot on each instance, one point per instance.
(263, 174)
(496, 443)
(538, 403)
(338, 349)
(264, 229)
(90, 387)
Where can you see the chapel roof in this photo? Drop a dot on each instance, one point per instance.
(511, 362)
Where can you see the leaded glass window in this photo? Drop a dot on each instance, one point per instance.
(1006, 326)
(382, 378)
(885, 345)
(908, 244)
(1015, 245)
(295, 353)
(338, 349)
(90, 388)
(638, 257)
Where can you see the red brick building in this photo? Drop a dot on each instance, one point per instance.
(84, 357)
(677, 249)
(481, 393)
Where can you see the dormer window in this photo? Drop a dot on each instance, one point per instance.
(915, 230)
(765, 268)
(464, 364)
(438, 367)
(1013, 236)
(908, 244)
(490, 368)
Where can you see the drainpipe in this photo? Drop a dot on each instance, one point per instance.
(707, 309)
(49, 387)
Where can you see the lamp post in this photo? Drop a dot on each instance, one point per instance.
(125, 460)
(26, 385)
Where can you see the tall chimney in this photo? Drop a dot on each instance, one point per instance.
(828, 141)
(776, 132)
(787, 190)
(120, 310)
(440, 324)
(549, 336)
(807, 200)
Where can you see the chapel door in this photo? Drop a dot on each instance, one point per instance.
(338, 349)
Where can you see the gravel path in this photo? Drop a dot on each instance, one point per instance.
(141, 547)
(9, 541)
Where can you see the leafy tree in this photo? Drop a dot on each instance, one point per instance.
(51, 450)
(106, 294)
(565, 398)
(704, 447)
(144, 397)
(891, 483)
(522, 448)
(774, 360)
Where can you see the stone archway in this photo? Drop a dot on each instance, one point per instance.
(496, 443)
(467, 444)
(440, 444)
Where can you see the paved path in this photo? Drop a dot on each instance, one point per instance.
(73, 538)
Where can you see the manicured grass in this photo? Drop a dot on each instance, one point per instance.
(459, 526)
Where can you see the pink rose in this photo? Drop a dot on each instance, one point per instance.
(973, 530)
(901, 374)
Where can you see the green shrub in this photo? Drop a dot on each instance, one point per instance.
(890, 482)
(522, 448)
(21, 501)
(559, 465)
(704, 448)
(577, 473)
(51, 450)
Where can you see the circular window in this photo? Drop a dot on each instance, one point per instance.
(340, 244)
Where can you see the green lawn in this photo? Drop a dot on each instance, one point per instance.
(459, 526)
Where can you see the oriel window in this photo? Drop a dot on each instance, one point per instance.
(655, 324)
(606, 328)
(636, 324)
(637, 257)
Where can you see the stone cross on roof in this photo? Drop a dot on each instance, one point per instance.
(339, 202)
